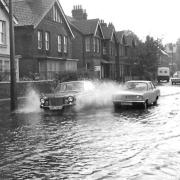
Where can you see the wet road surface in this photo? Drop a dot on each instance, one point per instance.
(96, 143)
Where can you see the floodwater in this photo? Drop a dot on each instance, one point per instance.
(93, 143)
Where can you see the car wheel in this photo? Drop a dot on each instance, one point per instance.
(116, 107)
(145, 104)
(155, 102)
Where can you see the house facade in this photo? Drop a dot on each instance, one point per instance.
(89, 44)
(5, 44)
(43, 37)
(109, 50)
(126, 54)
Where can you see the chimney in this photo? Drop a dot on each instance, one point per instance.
(78, 13)
(103, 23)
(84, 15)
(111, 25)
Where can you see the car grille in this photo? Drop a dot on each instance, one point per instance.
(126, 97)
(56, 101)
(131, 97)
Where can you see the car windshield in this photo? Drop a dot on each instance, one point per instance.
(136, 86)
(72, 86)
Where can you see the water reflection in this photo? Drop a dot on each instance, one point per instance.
(96, 143)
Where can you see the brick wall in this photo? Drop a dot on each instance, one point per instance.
(77, 47)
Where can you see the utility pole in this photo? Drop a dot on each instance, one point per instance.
(13, 91)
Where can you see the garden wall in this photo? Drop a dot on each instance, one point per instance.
(24, 86)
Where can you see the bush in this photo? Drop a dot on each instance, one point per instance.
(73, 76)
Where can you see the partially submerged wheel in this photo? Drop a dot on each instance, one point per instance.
(145, 104)
(155, 102)
(116, 106)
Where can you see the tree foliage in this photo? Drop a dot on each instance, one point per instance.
(146, 58)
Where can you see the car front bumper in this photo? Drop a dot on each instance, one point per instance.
(128, 103)
(54, 108)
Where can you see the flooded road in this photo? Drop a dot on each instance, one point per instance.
(95, 143)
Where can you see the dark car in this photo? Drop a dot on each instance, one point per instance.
(65, 94)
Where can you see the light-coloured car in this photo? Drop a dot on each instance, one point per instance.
(176, 78)
(65, 94)
(137, 93)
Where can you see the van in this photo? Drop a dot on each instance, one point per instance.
(163, 74)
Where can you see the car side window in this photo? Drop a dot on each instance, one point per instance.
(150, 86)
(153, 86)
(63, 87)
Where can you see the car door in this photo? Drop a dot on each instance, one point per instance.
(150, 93)
(154, 92)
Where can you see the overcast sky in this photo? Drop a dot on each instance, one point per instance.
(158, 18)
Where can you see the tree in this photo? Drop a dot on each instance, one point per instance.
(147, 56)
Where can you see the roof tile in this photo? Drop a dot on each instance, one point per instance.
(29, 12)
(86, 26)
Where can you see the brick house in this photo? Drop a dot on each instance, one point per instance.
(88, 45)
(5, 43)
(126, 49)
(109, 45)
(43, 37)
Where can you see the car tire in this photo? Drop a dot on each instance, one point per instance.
(155, 102)
(145, 104)
(116, 107)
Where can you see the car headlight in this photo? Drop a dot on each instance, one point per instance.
(42, 100)
(139, 97)
(70, 99)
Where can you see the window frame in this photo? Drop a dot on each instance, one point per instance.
(56, 15)
(59, 43)
(1, 65)
(94, 44)
(40, 39)
(65, 44)
(87, 44)
(98, 45)
(47, 41)
(3, 33)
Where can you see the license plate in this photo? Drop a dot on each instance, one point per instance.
(55, 107)
(126, 104)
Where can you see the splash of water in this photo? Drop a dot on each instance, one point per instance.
(31, 103)
(100, 97)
